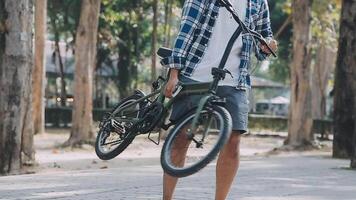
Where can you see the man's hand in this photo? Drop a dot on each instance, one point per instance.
(273, 44)
(172, 83)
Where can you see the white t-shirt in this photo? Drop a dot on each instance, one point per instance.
(224, 28)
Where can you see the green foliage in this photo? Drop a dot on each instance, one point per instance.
(125, 34)
(325, 23)
(63, 19)
(125, 31)
(125, 27)
(324, 29)
(279, 68)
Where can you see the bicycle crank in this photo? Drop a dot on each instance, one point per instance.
(119, 128)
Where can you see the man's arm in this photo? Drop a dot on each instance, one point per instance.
(191, 13)
(263, 26)
(172, 83)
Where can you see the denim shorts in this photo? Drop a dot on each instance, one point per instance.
(236, 103)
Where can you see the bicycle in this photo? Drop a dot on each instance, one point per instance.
(195, 139)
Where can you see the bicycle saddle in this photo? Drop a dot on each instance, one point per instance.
(164, 52)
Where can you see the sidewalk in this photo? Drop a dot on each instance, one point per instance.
(312, 176)
(74, 174)
(52, 159)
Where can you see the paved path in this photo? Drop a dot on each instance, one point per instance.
(296, 177)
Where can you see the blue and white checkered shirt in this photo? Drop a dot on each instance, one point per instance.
(198, 19)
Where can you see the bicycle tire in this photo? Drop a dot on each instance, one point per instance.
(224, 135)
(126, 141)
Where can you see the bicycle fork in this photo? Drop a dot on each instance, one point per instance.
(190, 134)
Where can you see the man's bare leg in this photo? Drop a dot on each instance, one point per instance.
(178, 157)
(227, 166)
(169, 184)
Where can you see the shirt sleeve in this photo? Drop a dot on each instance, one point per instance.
(191, 13)
(263, 26)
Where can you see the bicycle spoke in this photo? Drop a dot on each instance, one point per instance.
(113, 142)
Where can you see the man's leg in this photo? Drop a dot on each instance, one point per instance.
(169, 184)
(178, 158)
(227, 166)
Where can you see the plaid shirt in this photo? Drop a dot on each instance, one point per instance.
(198, 19)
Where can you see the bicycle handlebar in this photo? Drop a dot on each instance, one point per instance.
(262, 41)
(227, 4)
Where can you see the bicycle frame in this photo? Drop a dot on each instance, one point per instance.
(207, 90)
(189, 89)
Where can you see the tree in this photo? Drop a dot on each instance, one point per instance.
(125, 38)
(168, 8)
(63, 20)
(57, 56)
(281, 17)
(326, 15)
(345, 86)
(85, 54)
(126, 25)
(39, 72)
(16, 63)
(154, 40)
(324, 63)
(300, 115)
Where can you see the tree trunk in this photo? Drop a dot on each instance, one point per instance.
(345, 85)
(124, 64)
(124, 75)
(58, 59)
(39, 72)
(325, 62)
(137, 41)
(283, 26)
(166, 18)
(353, 157)
(300, 115)
(58, 54)
(16, 62)
(168, 22)
(85, 53)
(167, 28)
(154, 40)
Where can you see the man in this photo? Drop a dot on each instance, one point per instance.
(204, 33)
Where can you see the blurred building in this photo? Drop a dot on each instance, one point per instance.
(268, 97)
(105, 90)
(275, 106)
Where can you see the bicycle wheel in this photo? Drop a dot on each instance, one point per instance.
(115, 136)
(186, 151)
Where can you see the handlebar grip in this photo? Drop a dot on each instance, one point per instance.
(268, 47)
(272, 52)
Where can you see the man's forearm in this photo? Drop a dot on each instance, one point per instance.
(173, 73)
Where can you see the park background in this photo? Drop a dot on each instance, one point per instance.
(64, 64)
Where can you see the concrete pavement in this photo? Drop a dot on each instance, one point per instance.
(285, 177)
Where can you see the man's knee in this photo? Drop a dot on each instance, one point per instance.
(232, 147)
(234, 140)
